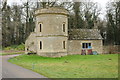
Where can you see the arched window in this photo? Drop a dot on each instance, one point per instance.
(63, 44)
(40, 25)
(63, 27)
(40, 44)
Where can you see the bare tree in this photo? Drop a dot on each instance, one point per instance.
(113, 22)
(91, 13)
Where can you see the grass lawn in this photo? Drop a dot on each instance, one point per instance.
(11, 53)
(72, 66)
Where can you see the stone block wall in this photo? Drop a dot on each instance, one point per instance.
(111, 49)
(75, 46)
(30, 43)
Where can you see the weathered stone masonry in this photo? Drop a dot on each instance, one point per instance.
(50, 37)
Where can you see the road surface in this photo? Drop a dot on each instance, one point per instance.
(10, 70)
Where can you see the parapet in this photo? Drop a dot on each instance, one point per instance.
(52, 10)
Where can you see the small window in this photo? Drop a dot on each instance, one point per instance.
(40, 26)
(63, 27)
(63, 44)
(86, 45)
(83, 45)
(40, 44)
(89, 44)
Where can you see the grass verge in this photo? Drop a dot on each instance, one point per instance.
(10, 53)
(72, 66)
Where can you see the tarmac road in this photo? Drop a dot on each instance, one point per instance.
(10, 70)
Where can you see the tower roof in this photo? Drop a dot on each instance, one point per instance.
(52, 10)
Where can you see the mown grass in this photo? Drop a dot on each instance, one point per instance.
(72, 66)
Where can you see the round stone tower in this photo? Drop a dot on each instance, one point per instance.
(51, 32)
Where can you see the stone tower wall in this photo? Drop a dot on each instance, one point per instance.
(52, 34)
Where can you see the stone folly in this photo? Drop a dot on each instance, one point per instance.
(51, 37)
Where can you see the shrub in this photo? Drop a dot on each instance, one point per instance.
(15, 47)
(7, 48)
(21, 47)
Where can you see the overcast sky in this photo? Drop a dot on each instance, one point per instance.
(102, 4)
